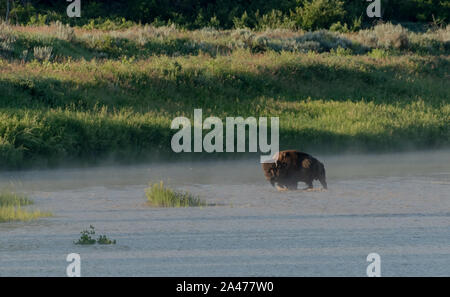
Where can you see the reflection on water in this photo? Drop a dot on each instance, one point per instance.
(396, 205)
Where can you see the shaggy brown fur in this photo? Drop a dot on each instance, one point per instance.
(292, 166)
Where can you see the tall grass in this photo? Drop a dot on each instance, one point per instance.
(146, 41)
(160, 196)
(11, 208)
(8, 198)
(11, 213)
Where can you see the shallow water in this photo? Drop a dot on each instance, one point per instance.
(396, 205)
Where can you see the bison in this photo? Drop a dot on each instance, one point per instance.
(292, 166)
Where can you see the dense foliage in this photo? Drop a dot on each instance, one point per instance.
(305, 14)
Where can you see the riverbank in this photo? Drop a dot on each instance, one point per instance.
(89, 95)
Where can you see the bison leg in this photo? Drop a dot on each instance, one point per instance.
(272, 182)
(281, 188)
(309, 184)
(292, 186)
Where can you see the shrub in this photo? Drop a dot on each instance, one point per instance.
(150, 31)
(243, 22)
(385, 36)
(356, 25)
(245, 38)
(7, 39)
(24, 56)
(307, 46)
(319, 14)
(274, 19)
(64, 32)
(109, 24)
(391, 36)
(433, 41)
(209, 32)
(378, 53)
(340, 51)
(44, 19)
(318, 41)
(43, 53)
(7, 46)
(338, 27)
(327, 40)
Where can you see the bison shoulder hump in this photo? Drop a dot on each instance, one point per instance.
(306, 163)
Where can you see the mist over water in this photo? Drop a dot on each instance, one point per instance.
(396, 205)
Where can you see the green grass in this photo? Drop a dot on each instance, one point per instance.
(11, 208)
(113, 95)
(160, 196)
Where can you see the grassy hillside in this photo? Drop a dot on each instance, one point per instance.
(85, 95)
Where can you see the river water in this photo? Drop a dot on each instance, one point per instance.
(396, 205)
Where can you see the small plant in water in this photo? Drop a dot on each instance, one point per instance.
(160, 196)
(87, 237)
(102, 239)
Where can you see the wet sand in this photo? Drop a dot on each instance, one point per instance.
(396, 205)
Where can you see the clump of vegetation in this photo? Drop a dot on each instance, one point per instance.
(16, 213)
(436, 40)
(102, 239)
(11, 208)
(327, 40)
(87, 238)
(339, 27)
(340, 51)
(64, 32)
(13, 199)
(300, 42)
(385, 36)
(160, 196)
(43, 53)
(319, 14)
(8, 39)
(378, 53)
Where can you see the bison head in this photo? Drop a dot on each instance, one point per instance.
(271, 172)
